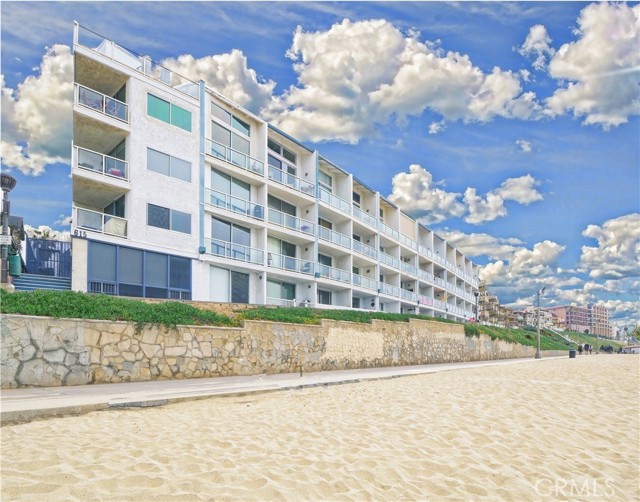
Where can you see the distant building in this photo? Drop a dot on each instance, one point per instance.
(591, 318)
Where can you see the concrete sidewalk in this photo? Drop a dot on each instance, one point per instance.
(20, 405)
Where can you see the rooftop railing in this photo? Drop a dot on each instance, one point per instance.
(99, 222)
(364, 282)
(366, 217)
(294, 223)
(333, 200)
(290, 263)
(234, 204)
(334, 273)
(361, 248)
(100, 163)
(334, 237)
(234, 251)
(234, 157)
(101, 103)
(291, 181)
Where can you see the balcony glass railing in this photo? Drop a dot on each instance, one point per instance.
(366, 217)
(425, 251)
(408, 268)
(334, 200)
(389, 260)
(101, 103)
(361, 248)
(410, 243)
(281, 302)
(234, 204)
(101, 164)
(291, 181)
(234, 157)
(386, 229)
(388, 289)
(364, 282)
(99, 222)
(425, 300)
(286, 220)
(334, 273)
(234, 251)
(334, 237)
(408, 295)
(289, 263)
(425, 276)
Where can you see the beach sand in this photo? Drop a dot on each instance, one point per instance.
(556, 429)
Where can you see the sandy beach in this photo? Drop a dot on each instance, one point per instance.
(556, 429)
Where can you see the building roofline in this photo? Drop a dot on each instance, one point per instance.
(289, 137)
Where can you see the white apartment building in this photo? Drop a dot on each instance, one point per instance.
(180, 193)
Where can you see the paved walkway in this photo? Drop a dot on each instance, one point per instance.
(18, 405)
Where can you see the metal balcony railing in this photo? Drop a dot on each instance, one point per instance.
(234, 251)
(286, 220)
(234, 204)
(333, 200)
(334, 273)
(291, 181)
(366, 217)
(100, 163)
(361, 248)
(101, 103)
(364, 282)
(334, 237)
(99, 222)
(290, 263)
(234, 157)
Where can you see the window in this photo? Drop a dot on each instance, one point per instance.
(324, 297)
(355, 302)
(282, 151)
(130, 272)
(155, 271)
(280, 290)
(325, 181)
(229, 286)
(239, 237)
(325, 223)
(169, 219)
(356, 237)
(356, 199)
(230, 139)
(227, 118)
(280, 205)
(168, 112)
(229, 185)
(116, 208)
(381, 214)
(162, 163)
(323, 259)
(281, 254)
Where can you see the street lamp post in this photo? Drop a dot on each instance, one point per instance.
(538, 293)
(7, 183)
(477, 294)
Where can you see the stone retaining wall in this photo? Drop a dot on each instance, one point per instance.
(42, 351)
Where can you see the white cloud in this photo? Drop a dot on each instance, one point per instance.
(63, 221)
(436, 127)
(618, 248)
(537, 45)
(359, 74)
(46, 232)
(480, 244)
(228, 74)
(417, 193)
(481, 209)
(601, 68)
(524, 145)
(36, 117)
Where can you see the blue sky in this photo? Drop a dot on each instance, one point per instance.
(510, 128)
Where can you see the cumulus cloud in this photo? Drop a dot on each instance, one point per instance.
(537, 46)
(228, 74)
(416, 192)
(482, 209)
(481, 244)
(524, 145)
(599, 72)
(36, 117)
(359, 74)
(616, 254)
(46, 232)
(436, 127)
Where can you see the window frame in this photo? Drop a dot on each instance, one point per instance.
(172, 106)
(170, 219)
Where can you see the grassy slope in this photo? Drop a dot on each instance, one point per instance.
(70, 304)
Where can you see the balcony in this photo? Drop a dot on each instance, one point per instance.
(387, 259)
(408, 268)
(387, 230)
(364, 282)
(234, 204)
(334, 201)
(238, 252)
(425, 300)
(366, 217)
(281, 302)
(388, 289)
(234, 157)
(425, 276)
(291, 181)
(99, 222)
(289, 263)
(101, 103)
(361, 248)
(405, 294)
(410, 243)
(100, 163)
(423, 251)
(334, 273)
(288, 221)
(334, 237)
